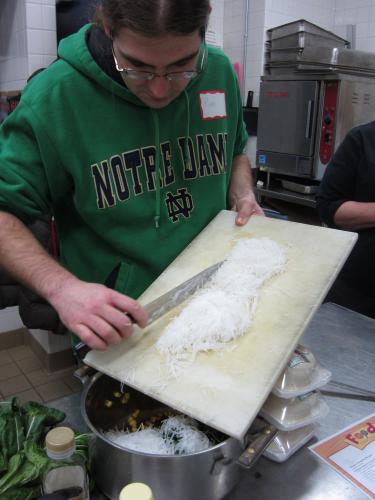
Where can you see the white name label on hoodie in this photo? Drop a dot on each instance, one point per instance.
(212, 105)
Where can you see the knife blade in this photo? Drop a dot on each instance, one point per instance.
(165, 302)
(177, 295)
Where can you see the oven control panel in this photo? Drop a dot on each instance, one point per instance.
(328, 121)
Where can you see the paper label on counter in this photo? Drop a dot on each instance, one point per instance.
(351, 452)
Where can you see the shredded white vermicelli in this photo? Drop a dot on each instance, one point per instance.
(177, 435)
(223, 309)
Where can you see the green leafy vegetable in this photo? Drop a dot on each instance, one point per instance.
(14, 466)
(24, 493)
(37, 416)
(23, 460)
(3, 462)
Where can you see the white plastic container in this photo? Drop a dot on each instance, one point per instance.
(285, 443)
(291, 414)
(303, 374)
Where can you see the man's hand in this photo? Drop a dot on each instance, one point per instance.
(95, 313)
(246, 207)
(240, 195)
(98, 315)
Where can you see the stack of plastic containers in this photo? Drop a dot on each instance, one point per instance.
(295, 404)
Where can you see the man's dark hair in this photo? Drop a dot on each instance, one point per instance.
(154, 17)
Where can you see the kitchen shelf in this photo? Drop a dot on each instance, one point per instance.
(280, 193)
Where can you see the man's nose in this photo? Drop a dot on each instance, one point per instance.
(159, 86)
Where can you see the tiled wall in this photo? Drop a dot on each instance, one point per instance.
(13, 51)
(41, 33)
(361, 13)
(216, 24)
(27, 39)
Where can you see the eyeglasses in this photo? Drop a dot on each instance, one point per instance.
(135, 74)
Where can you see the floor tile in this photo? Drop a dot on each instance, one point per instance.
(41, 376)
(73, 383)
(5, 357)
(38, 377)
(29, 395)
(9, 370)
(29, 364)
(53, 390)
(14, 385)
(20, 352)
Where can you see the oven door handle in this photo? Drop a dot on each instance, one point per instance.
(309, 118)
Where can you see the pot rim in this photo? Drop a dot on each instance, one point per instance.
(98, 434)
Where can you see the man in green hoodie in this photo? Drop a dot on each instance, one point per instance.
(133, 139)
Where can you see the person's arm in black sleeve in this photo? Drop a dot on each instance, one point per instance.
(347, 196)
(338, 183)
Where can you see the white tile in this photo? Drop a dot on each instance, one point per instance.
(363, 14)
(18, 68)
(47, 60)
(362, 30)
(22, 43)
(251, 150)
(362, 44)
(10, 319)
(370, 45)
(256, 20)
(237, 54)
(371, 29)
(34, 41)
(49, 17)
(256, 36)
(33, 15)
(35, 61)
(41, 42)
(13, 85)
(258, 5)
(252, 83)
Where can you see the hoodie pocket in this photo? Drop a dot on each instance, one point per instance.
(119, 278)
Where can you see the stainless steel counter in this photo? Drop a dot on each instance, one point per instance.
(343, 342)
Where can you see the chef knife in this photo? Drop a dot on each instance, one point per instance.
(166, 302)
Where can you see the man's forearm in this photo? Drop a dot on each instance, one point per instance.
(98, 315)
(241, 196)
(27, 261)
(353, 215)
(241, 183)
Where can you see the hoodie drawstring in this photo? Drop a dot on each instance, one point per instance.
(157, 169)
(158, 159)
(187, 131)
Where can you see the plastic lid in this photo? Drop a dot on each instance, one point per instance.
(136, 491)
(285, 444)
(302, 375)
(60, 440)
(290, 414)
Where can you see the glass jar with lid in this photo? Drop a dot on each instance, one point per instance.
(67, 469)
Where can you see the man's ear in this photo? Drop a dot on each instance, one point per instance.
(107, 31)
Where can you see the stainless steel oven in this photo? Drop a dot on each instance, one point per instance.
(304, 117)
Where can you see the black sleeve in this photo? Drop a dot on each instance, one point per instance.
(339, 179)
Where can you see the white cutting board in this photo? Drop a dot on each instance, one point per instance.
(226, 390)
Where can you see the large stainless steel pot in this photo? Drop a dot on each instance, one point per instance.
(207, 475)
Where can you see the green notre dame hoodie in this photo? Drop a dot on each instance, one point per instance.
(127, 184)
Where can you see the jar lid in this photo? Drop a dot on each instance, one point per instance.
(60, 439)
(136, 491)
